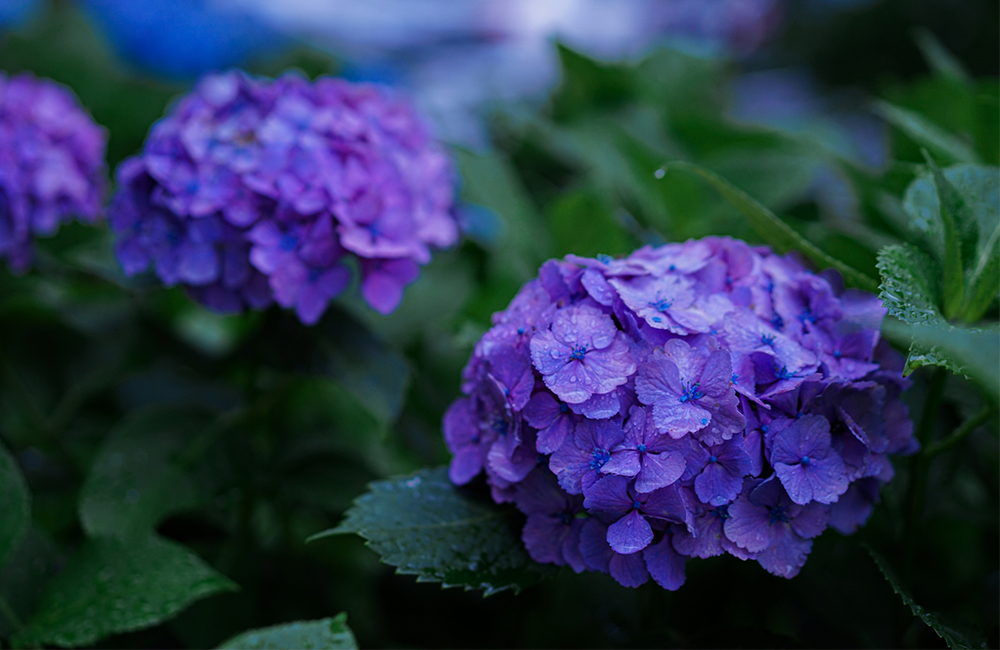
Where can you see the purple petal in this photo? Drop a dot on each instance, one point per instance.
(665, 564)
(629, 570)
(659, 470)
(630, 534)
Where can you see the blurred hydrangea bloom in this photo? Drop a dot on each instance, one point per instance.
(686, 401)
(51, 164)
(253, 190)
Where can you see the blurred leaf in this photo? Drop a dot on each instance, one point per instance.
(110, 586)
(425, 526)
(910, 284)
(926, 133)
(139, 477)
(350, 354)
(489, 180)
(772, 229)
(984, 280)
(938, 58)
(952, 637)
(582, 223)
(327, 633)
(15, 505)
(35, 560)
(588, 84)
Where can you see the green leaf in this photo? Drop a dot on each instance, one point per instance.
(974, 352)
(925, 133)
(954, 218)
(35, 561)
(110, 586)
(938, 58)
(139, 475)
(909, 284)
(952, 637)
(491, 181)
(425, 526)
(15, 505)
(326, 633)
(601, 234)
(971, 196)
(772, 229)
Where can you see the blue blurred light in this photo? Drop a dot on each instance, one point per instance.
(181, 38)
(17, 12)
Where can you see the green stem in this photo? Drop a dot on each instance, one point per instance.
(961, 432)
(918, 486)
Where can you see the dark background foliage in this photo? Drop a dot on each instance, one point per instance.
(139, 420)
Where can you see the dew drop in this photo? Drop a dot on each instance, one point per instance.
(660, 173)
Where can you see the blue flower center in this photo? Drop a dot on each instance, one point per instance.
(641, 448)
(520, 331)
(779, 514)
(636, 505)
(598, 457)
(778, 322)
(807, 316)
(604, 258)
(288, 242)
(661, 305)
(764, 428)
(692, 391)
(578, 353)
(713, 459)
(672, 267)
(767, 339)
(499, 425)
(563, 408)
(806, 460)
(783, 373)
(722, 512)
(374, 230)
(836, 354)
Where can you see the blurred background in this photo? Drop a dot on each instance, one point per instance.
(558, 113)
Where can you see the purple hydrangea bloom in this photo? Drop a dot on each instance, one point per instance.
(51, 164)
(686, 401)
(251, 191)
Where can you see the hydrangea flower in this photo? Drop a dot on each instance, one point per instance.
(51, 164)
(251, 191)
(686, 401)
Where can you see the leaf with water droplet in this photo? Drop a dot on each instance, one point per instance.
(951, 636)
(326, 633)
(439, 532)
(15, 505)
(146, 581)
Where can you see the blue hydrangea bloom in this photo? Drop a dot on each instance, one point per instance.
(51, 164)
(252, 191)
(686, 401)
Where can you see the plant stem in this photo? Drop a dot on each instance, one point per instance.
(961, 432)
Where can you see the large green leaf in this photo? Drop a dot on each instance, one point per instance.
(926, 133)
(910, 284)
(951, 636)
(35, 560)
(141, 473)
(15, 505)
(324, 634)
(111, 586)
(974, 352)
(968, 200)
(772, 229)
(425, 526)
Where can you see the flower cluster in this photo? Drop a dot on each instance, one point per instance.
(51, 164)
(254, 190)
(686, 401)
